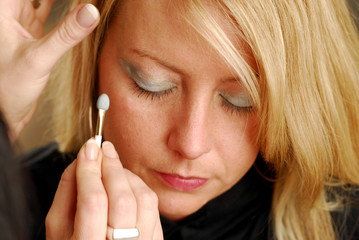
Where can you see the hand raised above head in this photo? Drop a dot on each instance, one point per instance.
(27, 56)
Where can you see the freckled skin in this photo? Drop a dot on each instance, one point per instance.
(188, 132)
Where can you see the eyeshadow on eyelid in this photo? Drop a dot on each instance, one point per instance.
(131, 69)
(145, 80)
(240, 100)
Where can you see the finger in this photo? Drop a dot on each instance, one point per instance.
(91, 211)
(158, 234)
(11, 8)
(26, 15)
(122, 203)
(59, 220)
(36, 28)
(78, 24)
(32, 19)
(147, 207)
(44, 10)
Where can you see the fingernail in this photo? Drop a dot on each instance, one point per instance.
(88, 15)
(91, 149)
(109, 150)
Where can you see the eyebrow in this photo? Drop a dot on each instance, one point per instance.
(143, 53)
(168, 65)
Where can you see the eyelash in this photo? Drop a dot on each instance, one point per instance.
(148, 94)
(233, 108)
(159, 95)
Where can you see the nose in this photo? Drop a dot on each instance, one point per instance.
(190, 134)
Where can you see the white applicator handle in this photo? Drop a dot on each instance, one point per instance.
(98, 140)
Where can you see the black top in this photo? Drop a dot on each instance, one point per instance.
(243, 212)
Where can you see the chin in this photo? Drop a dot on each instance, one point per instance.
(178, 206)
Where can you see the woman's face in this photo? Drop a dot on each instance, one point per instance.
(178, 117)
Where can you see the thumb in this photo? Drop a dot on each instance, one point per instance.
(78, 24)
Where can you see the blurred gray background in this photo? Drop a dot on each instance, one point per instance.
(38, 132)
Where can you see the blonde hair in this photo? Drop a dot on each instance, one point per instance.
(307, 54)
(74, 90)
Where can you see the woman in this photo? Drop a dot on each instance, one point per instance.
(198, 89)
(206, 98)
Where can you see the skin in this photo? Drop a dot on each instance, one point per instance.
(28, 56)
(189, 131)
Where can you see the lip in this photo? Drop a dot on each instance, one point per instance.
(180, 183)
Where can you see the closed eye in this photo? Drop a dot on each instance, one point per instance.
(144, 85)
(236, 104)
(153, 95)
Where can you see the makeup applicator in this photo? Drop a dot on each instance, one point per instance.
(103, 103)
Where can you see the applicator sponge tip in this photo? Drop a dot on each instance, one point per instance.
(103, 102)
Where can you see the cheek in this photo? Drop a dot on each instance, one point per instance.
(132, 125)
(239, 135)
(124, 124)
(251, 130)
(247, 142)
(238, 146)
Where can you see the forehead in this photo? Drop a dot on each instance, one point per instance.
(162, 25)
(153, 20)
